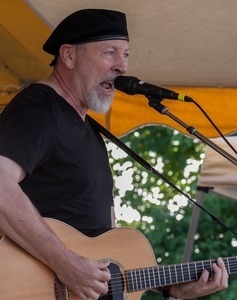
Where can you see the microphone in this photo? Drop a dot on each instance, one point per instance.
(132, 85)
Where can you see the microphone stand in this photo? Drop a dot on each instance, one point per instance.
(156, 104)
(147, 166)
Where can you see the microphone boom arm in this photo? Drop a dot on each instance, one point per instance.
(156, 104)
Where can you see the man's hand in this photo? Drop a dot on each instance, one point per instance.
(87, 279)
(205, 285)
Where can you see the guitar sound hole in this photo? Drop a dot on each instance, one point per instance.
(116, 284)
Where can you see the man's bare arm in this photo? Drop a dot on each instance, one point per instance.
(22, 223)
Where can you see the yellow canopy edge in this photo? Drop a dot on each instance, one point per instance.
(22, 60)
(130, 112)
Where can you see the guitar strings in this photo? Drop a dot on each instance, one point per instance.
(117, 282)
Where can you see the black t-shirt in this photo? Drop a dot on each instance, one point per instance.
(69, 177)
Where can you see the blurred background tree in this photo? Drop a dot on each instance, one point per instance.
(145, 202)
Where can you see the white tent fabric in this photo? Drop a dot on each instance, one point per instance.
(217, 175)
(217, 172)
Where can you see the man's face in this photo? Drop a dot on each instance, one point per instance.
(98, 64)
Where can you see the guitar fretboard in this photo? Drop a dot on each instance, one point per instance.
(153, 277)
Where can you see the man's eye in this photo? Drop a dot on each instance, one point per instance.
(109, 53)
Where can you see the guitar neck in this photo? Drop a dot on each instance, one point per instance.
(153, 277)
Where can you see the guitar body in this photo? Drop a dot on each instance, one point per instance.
(24, 277)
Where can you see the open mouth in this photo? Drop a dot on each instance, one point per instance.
(108, 85)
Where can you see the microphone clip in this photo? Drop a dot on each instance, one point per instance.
(156, 104)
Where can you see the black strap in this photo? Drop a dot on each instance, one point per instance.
(147, 166)
(126, 149)
(60, 290)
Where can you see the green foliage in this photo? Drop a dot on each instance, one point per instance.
(144, 201)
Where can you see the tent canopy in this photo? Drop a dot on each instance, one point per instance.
(188, 46)
(217, 175)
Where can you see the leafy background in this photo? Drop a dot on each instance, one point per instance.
(144, 201)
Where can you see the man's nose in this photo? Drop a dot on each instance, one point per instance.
(121, 66)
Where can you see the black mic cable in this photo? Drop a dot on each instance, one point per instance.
(132, 85)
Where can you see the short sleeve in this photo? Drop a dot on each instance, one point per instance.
(27, 135)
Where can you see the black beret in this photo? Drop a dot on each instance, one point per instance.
(88, 25)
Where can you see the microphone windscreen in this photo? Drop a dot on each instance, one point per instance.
(126, 84)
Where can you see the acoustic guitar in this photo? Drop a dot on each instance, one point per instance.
(133, 265)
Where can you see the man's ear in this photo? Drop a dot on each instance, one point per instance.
(67, 54)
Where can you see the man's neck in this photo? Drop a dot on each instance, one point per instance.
(56, 82)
